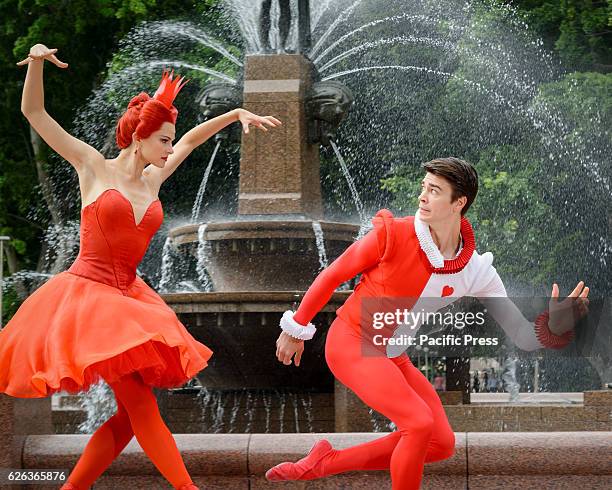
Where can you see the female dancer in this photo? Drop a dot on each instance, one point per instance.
(430, 255)
(98, 319)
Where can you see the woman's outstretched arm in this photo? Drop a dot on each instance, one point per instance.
(75, 151)
(202, 132)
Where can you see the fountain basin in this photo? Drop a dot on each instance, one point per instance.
(264, 255)
(242, 327)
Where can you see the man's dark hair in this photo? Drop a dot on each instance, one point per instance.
(461, 175)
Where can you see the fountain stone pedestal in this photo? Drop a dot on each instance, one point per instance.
(279, 169)
(278, 242)
(261, 262)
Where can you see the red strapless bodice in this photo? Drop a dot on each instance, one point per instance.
(112, 244)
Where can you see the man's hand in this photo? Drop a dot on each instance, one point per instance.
(564, 315)
(287, 346)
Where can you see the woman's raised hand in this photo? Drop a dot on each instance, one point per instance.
(247, 118)
(41, 52)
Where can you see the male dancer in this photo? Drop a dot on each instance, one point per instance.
(429, 257)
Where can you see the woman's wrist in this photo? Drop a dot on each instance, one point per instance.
(236, 114)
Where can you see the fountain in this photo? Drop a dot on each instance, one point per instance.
(261, 262)
(229, 278)
(230, 275)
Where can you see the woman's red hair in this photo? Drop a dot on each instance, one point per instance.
(144, 116)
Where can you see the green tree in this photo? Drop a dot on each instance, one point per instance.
(580, 31)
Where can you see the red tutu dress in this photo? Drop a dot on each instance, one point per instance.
(99, 319)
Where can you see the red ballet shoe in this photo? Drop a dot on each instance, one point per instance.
(307, 468)
(69, 486)
(188, 486)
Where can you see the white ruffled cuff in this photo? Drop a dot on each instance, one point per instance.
(295, 329)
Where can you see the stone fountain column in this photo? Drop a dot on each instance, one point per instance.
(279, 170)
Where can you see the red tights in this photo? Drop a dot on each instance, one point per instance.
(137, 414)
(399, 391)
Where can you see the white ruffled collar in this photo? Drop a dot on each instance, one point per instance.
(436, 259)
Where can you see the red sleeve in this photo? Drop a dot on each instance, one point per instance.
(360, 256)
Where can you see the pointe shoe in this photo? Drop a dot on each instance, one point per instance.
(307, 468)
(188, 486)
(69, 486)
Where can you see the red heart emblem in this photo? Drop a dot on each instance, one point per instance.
(447, 291)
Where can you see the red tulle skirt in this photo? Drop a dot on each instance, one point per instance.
(72, 331)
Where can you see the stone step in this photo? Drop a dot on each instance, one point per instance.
(238, 461)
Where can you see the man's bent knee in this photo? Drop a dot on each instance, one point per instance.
(421, 425)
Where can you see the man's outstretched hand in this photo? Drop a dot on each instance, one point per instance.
(563, 315)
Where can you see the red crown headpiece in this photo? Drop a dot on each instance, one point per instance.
(169, 88)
